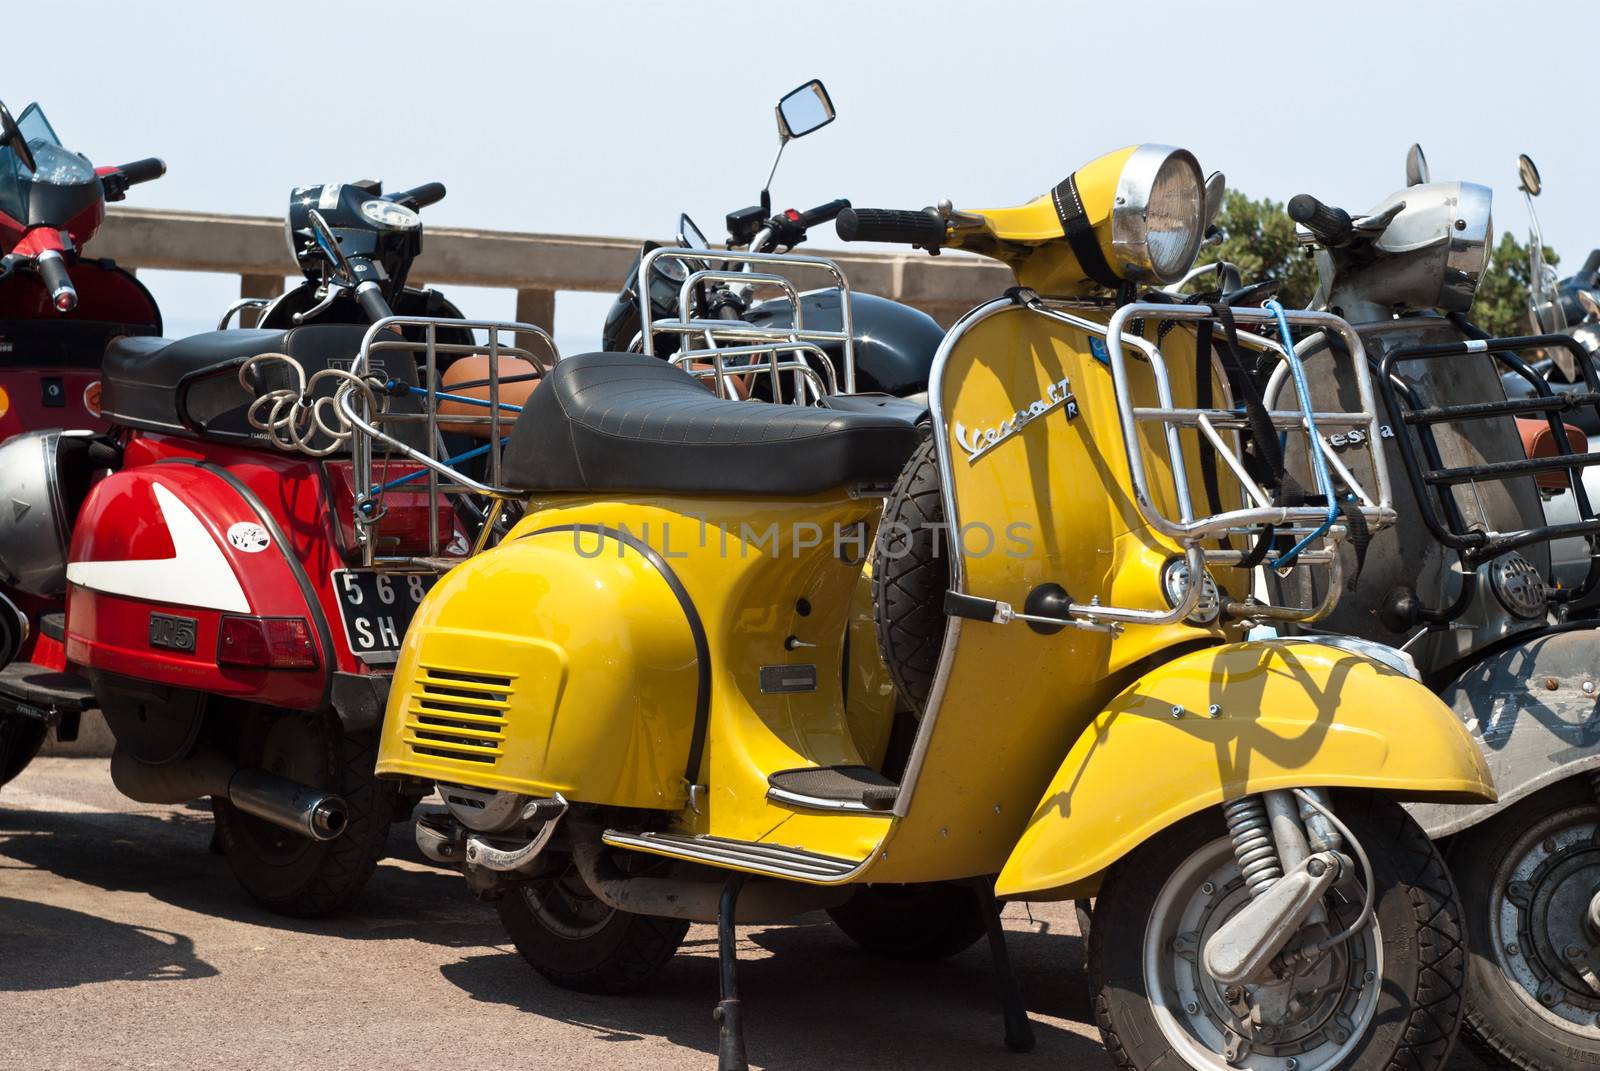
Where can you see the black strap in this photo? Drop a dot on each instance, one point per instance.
(1080, 233)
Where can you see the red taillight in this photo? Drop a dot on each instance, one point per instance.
(403, 529)
(265, 642)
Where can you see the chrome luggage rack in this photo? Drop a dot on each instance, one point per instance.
(1317, 530)
(722, 349)
(378, 429)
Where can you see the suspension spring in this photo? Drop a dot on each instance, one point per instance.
(1253, 847)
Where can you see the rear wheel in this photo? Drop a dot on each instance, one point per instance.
(577, 942)
(1530, 883)
(287, 872)
(20, 740)
(1391, 996)
(918, 922)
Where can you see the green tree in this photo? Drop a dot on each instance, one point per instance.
(1258, 237)
(1501, 305)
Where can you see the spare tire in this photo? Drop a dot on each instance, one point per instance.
(911, 577)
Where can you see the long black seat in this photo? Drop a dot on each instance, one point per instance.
(627, 422)
(140, 375)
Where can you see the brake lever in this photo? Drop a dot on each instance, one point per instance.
(1372, 226)
(333, 291)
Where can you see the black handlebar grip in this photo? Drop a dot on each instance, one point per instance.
(370, 297)
(53, 274)
(823, 213)
(143, 170)
(421, 196)
(924, 229)
(1332, 225)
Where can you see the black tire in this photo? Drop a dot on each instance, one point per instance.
(20, 740)
(913, 922)
(1504, 1025)
(291, 874)
(1421, 996)
(911, 576)
(580, 944)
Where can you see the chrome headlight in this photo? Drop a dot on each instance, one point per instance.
(1159, 215)
(1472, 234)
(1175, 585)
(388, 214)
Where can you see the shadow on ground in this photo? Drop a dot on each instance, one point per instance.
(819, 1002)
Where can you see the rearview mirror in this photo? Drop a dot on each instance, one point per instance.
(1529, 175)
(804, 110)
(1216, 190)
(1416, 166)
(690, 236)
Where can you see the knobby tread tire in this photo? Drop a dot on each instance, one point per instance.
(1427, 1038)
(1496, 1029)
(342, 866)
(911, 577)
(623, 957)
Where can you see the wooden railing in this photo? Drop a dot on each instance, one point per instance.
(536, 266)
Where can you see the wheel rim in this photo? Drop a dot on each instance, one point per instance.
(1543, 893)
(1336, 999)
(565, 907)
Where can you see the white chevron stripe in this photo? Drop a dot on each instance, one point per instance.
(197, 574)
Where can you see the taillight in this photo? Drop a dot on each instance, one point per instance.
(266, 642)
(403, 528)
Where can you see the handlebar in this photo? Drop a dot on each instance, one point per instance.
(145, 170)
(53, 273)
(369, 296)
(1331, 226)
(823, 213)
(419, 196)
(924, 229)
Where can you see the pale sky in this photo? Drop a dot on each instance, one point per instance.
(610, 118)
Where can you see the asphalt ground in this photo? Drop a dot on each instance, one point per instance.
(124, 943)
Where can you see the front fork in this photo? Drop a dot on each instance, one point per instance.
(1291, 850)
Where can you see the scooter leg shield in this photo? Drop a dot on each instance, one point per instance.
(1223, 722)
(1532, 710)
(553, 663)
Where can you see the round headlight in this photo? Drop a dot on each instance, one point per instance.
(1175, 585)
(1471, 233)
(388, 214)
(1157, 221)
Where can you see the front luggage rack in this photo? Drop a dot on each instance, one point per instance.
(468, 476)
(1315, 530)
(1435, 484)
(723, 350)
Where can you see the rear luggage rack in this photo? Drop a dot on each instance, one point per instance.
(1435, 483)
(721, 349)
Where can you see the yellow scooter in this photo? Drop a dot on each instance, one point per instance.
(635, 704)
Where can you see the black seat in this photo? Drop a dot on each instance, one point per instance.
(140, 375)
(627, 422)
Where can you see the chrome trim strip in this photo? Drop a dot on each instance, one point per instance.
(793, 864)
(817, 803)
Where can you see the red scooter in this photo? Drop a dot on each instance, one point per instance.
(215, 603)
(58, 310)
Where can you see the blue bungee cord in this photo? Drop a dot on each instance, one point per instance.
(1319, 464)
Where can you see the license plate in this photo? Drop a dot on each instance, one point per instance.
(376, 609)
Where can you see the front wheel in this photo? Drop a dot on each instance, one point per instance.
(1530, 884)
(1388, 997)
(287, 872)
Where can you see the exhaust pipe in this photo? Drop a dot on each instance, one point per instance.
(310, 812)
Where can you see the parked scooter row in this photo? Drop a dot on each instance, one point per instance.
(1207, 610)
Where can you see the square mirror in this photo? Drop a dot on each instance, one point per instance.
(803, 110)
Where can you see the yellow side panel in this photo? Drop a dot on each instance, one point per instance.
(1287, 715)
(545, 665)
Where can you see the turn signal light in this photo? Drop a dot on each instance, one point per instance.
(265, 642)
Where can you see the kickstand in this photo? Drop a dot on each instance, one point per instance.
(1019, 1031)
(730, 1039)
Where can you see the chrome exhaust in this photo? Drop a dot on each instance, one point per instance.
(311, 812)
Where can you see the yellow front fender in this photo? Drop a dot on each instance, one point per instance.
(1228, 721)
